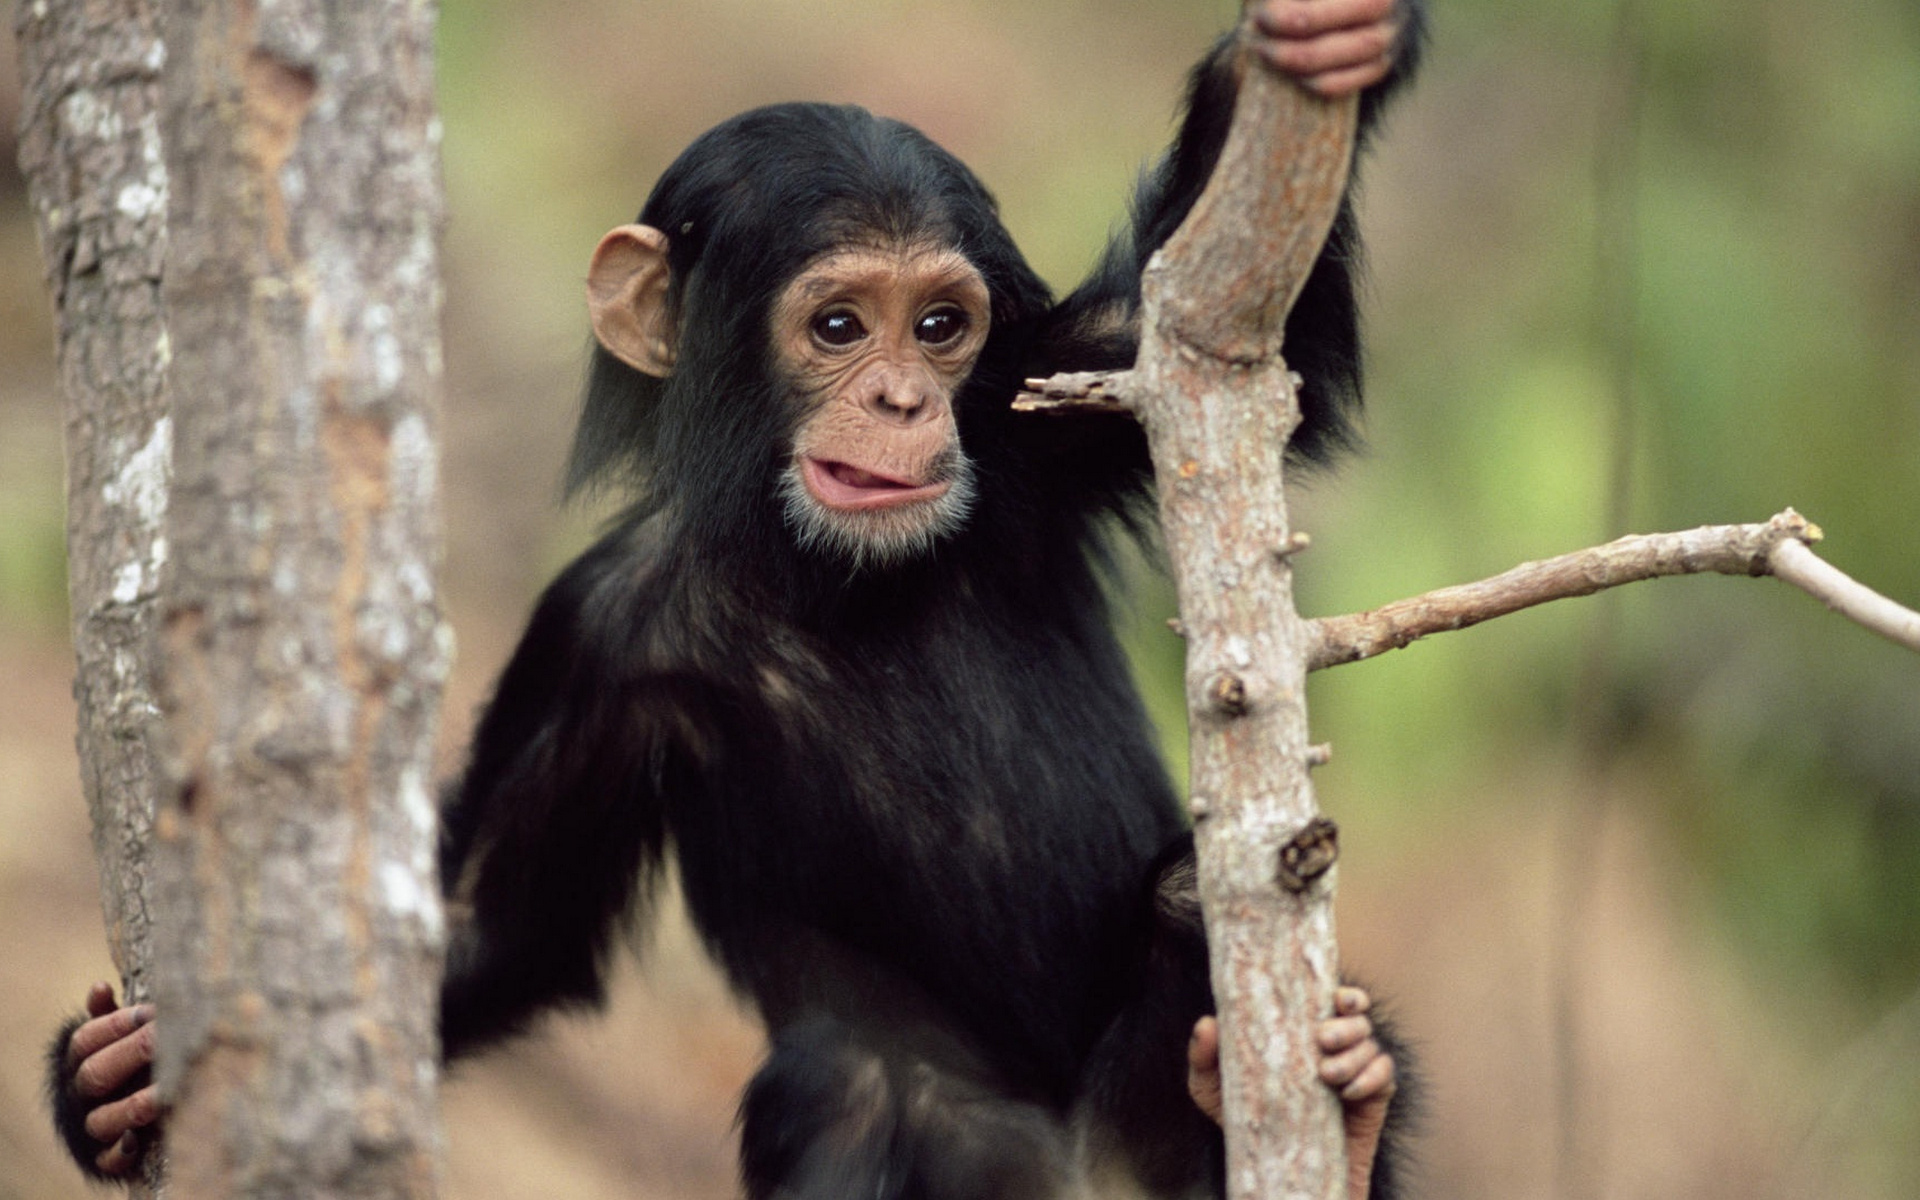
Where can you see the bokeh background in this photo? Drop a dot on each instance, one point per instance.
(1641, 875)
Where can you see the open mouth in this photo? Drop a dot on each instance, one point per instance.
(856, 489)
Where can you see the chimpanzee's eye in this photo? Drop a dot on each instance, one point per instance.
(940, 326)
(838, 328)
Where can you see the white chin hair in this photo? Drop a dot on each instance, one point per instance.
(879, 537)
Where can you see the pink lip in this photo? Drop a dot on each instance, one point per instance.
(850, 488)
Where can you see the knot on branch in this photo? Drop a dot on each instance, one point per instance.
(1784, 526)
(1227, 693)
(1309, 854)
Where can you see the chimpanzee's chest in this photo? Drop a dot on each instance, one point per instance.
(977, 815)
(967, 758)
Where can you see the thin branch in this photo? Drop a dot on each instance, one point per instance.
(1796, 564)
(1778, 547)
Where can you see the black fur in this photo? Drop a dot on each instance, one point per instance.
(917, 811)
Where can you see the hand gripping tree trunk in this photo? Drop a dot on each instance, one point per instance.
(90, 152)
(293, 167)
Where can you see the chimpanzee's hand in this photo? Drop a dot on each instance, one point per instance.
(1335, 47)
(100, 1081)
(1352, 1063)
(1357, 1066)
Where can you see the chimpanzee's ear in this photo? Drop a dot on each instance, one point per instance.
(627, 299)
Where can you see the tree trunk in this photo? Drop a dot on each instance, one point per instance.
(293, 854)
(1218, 404)
(291, 863)
(90, 152)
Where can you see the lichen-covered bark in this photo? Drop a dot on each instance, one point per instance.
(1218, 404)
(303, 652)
(90, 151)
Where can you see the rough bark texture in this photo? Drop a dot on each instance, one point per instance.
(1218, 404)
(90, 151)
(303, 652)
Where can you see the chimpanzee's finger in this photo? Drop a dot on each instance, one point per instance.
(125, 1047)
(1203, 1049)
(112, 1122)
(1203, 1066)
(105, 1029)
(1342, 1033)
(1340, 1070)
(1335, 84)
(1310, 18)
(100, 999)
(1376, 1081)
(1356, 49)
(119, 1158)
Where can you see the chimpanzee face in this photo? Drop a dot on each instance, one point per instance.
(871, 342)
(876, 340)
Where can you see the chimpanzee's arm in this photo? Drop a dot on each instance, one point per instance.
(556, 825)
(1096, 327)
